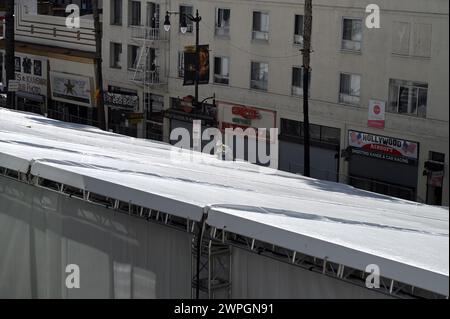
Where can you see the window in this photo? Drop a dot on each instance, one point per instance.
(317, 133)
(297, 81)
(411, 39)
(27, 64)
(298, 30)
(133, 56)
(259, 76)
(221, 70)
(37, 68)
(400, 38)
(155, 110)
(352, 34)
(223, 22)
(134, 9)
(155, 107)
(407, 97)
(180, 64)
(434, 169)
(260, 26)
(422, 34)
(350, 86)
(152, 15)
(116, 55)
(186, 10)
(116, 12)
(17, 65)
(437, 157)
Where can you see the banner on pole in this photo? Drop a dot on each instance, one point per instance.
(190, 61)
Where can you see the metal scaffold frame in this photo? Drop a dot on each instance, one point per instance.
(216, 246)
(213, 279)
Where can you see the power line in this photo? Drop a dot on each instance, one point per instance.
(251, 53)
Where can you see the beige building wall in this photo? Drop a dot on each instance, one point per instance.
(376, 63)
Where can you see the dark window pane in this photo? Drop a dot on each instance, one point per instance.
(299, 25)
(297, 78)
(393, 98)
(314, 132)
(330, 134)
(437, 157)
(345, 84)
(256, 21)
(217, 65)
(347, 29)
(403, 100)
(290, 128)
(422, 102)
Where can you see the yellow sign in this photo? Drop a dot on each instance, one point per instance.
(189, 49)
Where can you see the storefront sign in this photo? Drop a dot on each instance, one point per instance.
(31, 73)
(13, 86)
(71, 88)
(376, 114)
(135, 118)
(121, 100)
(383, 147)
(240, 116)
(246, 112)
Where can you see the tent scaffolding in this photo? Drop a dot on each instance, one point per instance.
(223, 218)
(216, 244)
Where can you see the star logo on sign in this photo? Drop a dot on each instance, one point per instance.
(69, 87)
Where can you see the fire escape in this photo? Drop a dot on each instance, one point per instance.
(149, 71)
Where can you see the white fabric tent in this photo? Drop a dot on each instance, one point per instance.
(409, 241)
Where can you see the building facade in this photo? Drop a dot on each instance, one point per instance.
(378, 96)
(54, 64)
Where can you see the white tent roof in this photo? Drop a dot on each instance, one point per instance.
(407, 240)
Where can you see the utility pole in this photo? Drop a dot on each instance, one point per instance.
(9, 51)
(98, 67)
(306, 72)
(197, 20)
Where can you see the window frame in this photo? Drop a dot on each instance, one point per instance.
(216, 27)
(410, 85)
(180, 65)
(349, 50)
(287, 125)
(266, 89)
(112, 61)
(227, 77)
(132, 67)
(342, 101)
(300, 88)
(267, 33)
(296, 43)
(113, 13)
(189, 23)
(130, 13)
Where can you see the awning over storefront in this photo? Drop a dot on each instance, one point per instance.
(29, 96)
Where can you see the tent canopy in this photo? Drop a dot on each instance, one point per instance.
(407, 240)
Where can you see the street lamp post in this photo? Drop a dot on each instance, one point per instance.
(183, 28)
(195, 103)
